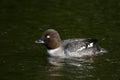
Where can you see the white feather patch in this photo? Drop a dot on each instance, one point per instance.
(90, 45)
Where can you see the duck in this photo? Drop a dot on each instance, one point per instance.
(76, 47)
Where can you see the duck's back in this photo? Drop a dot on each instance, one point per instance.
(81, 47)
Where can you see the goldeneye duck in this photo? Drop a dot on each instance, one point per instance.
(70, 47)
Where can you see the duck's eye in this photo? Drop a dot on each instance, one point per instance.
(48, 36)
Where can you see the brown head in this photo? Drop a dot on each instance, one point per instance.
(50, 38)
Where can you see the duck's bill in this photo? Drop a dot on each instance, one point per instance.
(39, 41)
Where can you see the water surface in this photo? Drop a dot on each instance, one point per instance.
(22, 22)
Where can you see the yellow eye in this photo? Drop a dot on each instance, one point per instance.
(48, 36)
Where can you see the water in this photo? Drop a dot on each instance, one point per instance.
(22, 22)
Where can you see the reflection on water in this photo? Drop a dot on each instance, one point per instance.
(56, 61)
(55, 64)
(36, 68)
(72, 66)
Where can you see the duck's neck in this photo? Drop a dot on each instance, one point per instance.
(56, 52)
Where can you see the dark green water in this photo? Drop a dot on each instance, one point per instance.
(22, 22)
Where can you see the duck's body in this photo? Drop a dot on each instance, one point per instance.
(70, 47)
